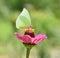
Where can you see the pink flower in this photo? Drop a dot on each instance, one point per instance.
(30, 38)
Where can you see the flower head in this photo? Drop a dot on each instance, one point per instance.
(29, 37)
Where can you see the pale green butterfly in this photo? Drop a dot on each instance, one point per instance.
(23, 20)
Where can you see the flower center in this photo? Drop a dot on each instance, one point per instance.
(30, 32)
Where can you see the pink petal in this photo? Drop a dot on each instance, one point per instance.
(39, 38)
(24, 38)
(19, 36)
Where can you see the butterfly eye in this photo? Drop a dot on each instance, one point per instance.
(30, 26)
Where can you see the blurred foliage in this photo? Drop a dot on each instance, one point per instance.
(53, 5)
(45, 15)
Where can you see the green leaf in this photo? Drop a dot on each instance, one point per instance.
(23, 19)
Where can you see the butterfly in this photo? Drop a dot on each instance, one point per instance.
(23, 20)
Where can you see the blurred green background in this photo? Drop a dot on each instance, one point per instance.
(45, 16)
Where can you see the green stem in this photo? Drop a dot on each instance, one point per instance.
(28, 48)
(27, 52)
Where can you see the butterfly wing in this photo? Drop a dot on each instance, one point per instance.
(23, 19)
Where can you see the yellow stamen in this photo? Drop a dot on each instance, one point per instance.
(29, 29)
(33, 30)
(26, 29)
